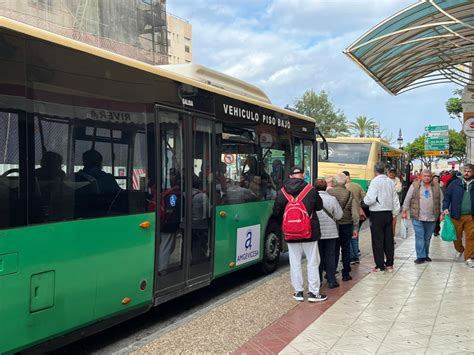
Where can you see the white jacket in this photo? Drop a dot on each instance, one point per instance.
(327, 224)
(382, 195)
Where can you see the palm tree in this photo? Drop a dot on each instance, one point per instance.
(362, 126)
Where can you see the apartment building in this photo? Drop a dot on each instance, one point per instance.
(179, 40)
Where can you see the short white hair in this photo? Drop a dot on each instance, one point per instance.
(330, 180)
(426, 171)
(341, 179)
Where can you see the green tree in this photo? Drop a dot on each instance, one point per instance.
(362, 126)
(416, 150)
(331, 122)
(454, 106)
(457, 145)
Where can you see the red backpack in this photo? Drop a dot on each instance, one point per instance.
(296, 220)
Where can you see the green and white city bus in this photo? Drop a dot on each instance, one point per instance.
(124, 185)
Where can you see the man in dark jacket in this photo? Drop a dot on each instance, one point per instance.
(309, 247)
(459, 203)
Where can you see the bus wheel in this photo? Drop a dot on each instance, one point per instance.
(271, 250)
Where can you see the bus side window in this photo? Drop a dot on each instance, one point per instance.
(82, 171)
(12, 206)
(239, 159)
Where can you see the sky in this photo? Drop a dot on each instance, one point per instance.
(286, 47)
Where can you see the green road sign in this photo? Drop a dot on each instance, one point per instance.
(436, 128)
(385, 149)
(436, 146)
(437, 140)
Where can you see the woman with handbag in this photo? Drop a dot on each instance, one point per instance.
(328, 218)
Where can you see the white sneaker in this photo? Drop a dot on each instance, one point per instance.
(470, 262)
(458, 255)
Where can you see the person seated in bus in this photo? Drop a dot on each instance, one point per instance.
(50, 169)
(200, 222)
(92, 171)
(170, 219)
(221, 182)
(250, 178)
(49, 179)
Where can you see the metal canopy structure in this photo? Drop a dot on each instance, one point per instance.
(430, 42)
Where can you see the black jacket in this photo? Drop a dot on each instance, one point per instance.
(453, 197)
(312, 202)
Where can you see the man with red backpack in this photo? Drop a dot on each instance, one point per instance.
(296, 205)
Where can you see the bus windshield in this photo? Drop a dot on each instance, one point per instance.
(349, 153)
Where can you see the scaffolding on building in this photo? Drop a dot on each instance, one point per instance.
(136, 29)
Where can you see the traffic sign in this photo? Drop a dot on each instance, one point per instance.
(437, 152)
(437, 140)
(437, 134)
(436, 146)
(392, 154)
(436, 128)
(468, 127)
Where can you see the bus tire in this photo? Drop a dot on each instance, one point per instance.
(271, 249)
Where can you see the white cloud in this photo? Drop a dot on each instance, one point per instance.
(289, 46)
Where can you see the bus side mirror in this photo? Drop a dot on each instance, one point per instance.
(324, 150)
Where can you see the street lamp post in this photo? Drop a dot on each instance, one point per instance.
(400, 139)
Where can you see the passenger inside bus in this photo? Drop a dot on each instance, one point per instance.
(92, 161)
(200, 225)
(50, 169)
(170, 219)
(50, 192)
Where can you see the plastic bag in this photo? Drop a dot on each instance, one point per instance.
(404, 228)
(448, 234)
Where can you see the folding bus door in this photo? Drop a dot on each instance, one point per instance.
(183, 202)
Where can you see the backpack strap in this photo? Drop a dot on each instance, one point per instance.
(300, 196)
(303, 193)
(287, 195)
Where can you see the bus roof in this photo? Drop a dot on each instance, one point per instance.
(83, 47)
(363, 140)
(214, 78)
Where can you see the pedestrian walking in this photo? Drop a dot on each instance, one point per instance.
(384, 206)
(296, 205)
(423, 200)
(458, 202)
(358, 193)
(348, 224)
(328, 217)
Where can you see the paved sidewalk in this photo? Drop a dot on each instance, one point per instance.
(418, 309)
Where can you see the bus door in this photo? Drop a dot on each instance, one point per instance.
(305, 157)
(183, 202)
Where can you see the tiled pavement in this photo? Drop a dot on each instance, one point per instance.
(418, 309)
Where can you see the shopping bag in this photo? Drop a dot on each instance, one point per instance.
(404, 229)
(448, 234)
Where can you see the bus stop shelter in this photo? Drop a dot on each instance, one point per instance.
(429, 42)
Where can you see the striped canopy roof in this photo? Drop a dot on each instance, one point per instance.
(428, 43)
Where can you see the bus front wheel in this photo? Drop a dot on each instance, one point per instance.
(271, 249)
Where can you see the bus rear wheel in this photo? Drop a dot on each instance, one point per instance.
(271, 249)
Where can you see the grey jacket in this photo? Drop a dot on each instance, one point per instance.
(328, 225)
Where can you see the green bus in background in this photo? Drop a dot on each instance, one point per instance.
(124, 185)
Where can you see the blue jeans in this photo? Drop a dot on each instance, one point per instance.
(423, 232)
(355, 248)
(344, 245)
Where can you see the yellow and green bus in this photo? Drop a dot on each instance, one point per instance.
(358, 156)
(124, 185)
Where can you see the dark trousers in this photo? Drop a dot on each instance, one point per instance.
(344, 245)
(437, 227)
(327, 252)
(382, 238)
